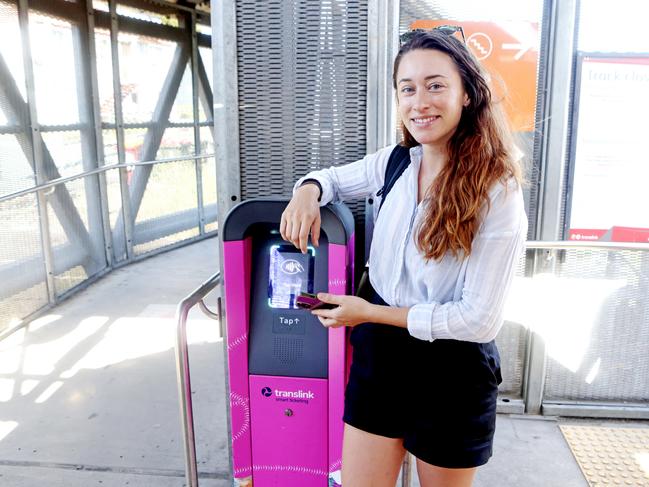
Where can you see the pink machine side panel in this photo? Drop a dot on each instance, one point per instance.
(289, 425)
(236, 279)
(337, 371)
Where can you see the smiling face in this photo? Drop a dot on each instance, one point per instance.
(430, 96)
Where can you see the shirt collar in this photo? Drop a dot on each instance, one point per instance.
(416, 152)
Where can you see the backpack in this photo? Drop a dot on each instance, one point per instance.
(397, 163)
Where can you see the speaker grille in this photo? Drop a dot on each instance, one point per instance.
(288, 350)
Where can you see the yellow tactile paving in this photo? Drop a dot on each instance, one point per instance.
(610, 456)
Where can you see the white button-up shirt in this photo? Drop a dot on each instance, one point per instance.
(456, 298)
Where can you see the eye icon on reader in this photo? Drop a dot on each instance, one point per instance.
(291, 266)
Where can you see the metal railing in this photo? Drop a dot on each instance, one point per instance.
(183, 372)
(104, 167)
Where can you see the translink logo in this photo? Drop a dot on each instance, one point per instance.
(266, 391)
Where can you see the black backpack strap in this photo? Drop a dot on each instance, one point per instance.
(397, 163)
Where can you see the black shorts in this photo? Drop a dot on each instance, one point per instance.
(439, 396)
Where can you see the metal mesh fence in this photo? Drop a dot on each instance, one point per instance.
(64, 149)
(76, 233)
(55, 49)
(511, 342)
(170, 203)
(144, 64)
(22, 268)
(15, 171)
(597, 349)
(15, 152)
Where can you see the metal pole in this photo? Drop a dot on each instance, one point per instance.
(99, 142)
(226, 143)
(83, 46)
(198, 163)
(127, 218)
(184, 379)
(560, 49)
(185, 392)
(37, 150)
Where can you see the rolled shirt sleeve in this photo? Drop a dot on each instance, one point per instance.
(356, 180)
(478, 315)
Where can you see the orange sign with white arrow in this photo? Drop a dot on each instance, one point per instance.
(509, 52)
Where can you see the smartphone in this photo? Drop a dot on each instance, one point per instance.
(310, 301)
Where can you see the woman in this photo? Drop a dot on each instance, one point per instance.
(425, 368)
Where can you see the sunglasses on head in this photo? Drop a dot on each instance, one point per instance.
(444, 29)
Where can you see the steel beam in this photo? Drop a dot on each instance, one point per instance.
(205, 91)
(123, 231)
(87, 98)
(98, 136)
(198, 163)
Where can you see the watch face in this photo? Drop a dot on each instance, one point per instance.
(290, 273)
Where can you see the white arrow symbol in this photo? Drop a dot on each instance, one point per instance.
(522, 49)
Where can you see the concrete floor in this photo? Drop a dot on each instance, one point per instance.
(88, 392)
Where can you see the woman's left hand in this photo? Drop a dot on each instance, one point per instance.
(350, 310)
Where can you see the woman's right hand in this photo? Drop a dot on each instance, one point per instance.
(301, 217)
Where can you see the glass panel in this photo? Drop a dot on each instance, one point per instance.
(613, 27)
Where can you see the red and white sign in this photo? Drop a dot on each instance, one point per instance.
(610, 198)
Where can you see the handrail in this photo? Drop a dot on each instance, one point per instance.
(595, 245)
(182, 371)
(103, 168)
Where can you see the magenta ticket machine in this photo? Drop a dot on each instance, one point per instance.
(287, 372)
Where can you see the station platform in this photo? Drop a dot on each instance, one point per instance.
(88, 392)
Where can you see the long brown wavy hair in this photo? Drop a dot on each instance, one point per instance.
(480, 153)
